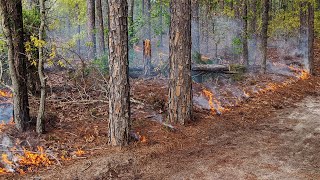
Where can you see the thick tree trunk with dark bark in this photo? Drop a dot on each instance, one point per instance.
(91, 29)
(41, 112)
(11, 12)
(196, 26)
(264, 34)
(310, 38)
(180, 84)
(119, 88)
(303, 29)
(100, 29)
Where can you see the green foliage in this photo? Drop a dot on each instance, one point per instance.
(237, 45)
(102, 63)
(284, 23)
(31, 20)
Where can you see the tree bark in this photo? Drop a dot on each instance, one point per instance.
(119, 88)
(11, 12)
(207, 20)
(303, 29)
(161, 23)
(91, 29)
(148, 14)
(245, 53)
(264, 34)
(40, 118)
(78, 29)
(311, 38)
(147, 57)
(221, 4)
(196, 26)
(142, 6)
(105, 11)
(100, 32)
(180, 84)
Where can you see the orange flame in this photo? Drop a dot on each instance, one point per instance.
(215, 105)
(5, 94)
(80, 152)
(142, 138)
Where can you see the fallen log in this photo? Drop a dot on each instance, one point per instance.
(210, 67)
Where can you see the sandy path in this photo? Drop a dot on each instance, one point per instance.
(288, 147)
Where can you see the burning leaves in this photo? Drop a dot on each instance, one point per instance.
(5, 94)
(80, 152)
(22, 161)
(217, 107)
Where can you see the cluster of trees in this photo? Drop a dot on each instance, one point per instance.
(112, 29)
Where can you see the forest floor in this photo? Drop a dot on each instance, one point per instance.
(275, 135)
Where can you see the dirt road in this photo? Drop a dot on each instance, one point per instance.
(286, 146)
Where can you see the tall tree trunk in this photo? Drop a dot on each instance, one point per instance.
(161, 23)
(311, 38)
(236, 7)
(221, 4)
(207, 20)
(11, 13)
(119, 88)
(100, 32)
(196, 26)
(148, 14)
(78, 29)
(142, 6)
(253, 23)
(231, 5)
(91, 29)
(303, 29)
(264, 34)
(245, 53)
(105, 5)
(180, 84)
(146, 55)
(146, 58)
(40, 118)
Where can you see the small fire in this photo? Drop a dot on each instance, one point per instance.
(215, 105)
(142, 138)
(5, 94)
(300, 73)
(23, 161)
(80, 152)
